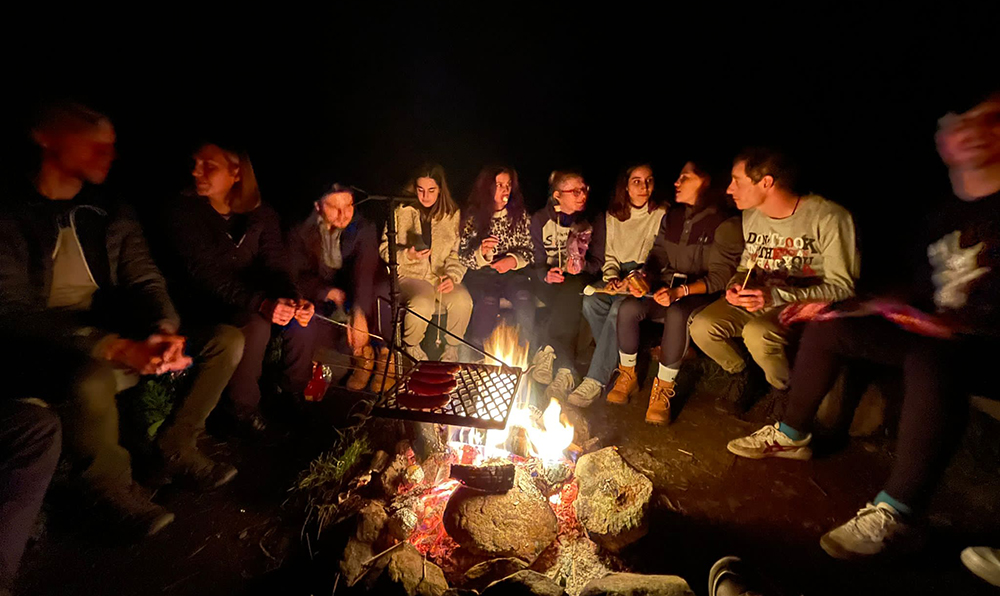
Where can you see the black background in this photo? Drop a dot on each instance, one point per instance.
(364, 95)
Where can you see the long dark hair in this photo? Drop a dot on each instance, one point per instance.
(621, 205)
(713, 191)
(445, 205)
(481, 204)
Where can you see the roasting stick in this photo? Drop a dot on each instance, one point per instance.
(753, 263)
(344, 325)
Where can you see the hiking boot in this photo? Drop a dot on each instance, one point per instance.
(194, 469)
(659, 402)
(872, 531)
(386, 361)
(625, 385)
(561, 385)
(450, 354)
(984, 562)
(541, 365)
(135, 510)
(771, 442)
(585, 393)
(740, 393)
(363, 365)
(730, 576)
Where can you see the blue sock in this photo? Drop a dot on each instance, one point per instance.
(791, 432)
(902, 508)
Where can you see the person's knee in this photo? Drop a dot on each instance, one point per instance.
(461, 299)
(630, 311)
(226, 345)
(422, 304)
(94, 387)
(705, 328)
(593, 305)
(761, 337)
(43, 431)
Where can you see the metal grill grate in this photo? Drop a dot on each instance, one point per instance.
(482, 398)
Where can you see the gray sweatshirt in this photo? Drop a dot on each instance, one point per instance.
(629, 241)
(811, 255)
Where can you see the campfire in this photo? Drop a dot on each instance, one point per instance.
(480, 504)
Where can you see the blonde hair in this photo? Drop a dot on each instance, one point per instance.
(244, 196)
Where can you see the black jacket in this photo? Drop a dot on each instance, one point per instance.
(131, 296)
(361, 268)
(220, 270)
(704, 244)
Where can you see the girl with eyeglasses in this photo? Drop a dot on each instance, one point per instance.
(496, 247)
(632, 221)
(430, 272)
(569, 254)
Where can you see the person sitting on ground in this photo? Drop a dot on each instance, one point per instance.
(569, 254)
(797, 248)
(430, 272)
(632, 221)
(944, 345)
(336, 260)
(85, 310)
(496, 248)
(228, 264)
(695, 254)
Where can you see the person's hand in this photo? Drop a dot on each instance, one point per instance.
(663, 297)
(279, 311)
(357, 333)
(733, 295)
(337, 296)
(753, 300)
(446, 285)
(417, 255)
(554, 276)
(504, 265)
(615, 285)
(574, 266)
(173, 345)
(146, 357)
(489, 245)
(304, 312)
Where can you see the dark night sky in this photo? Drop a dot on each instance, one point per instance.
(363, 98)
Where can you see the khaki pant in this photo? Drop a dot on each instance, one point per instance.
(715, 328)
(421, 297)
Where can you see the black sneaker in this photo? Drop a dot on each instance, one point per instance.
(742, 392)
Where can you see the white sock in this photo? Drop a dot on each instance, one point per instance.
(667, 374)
(627, 360)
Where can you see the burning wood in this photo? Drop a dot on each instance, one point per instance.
(491, 479)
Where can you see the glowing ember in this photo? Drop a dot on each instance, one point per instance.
(429, 536)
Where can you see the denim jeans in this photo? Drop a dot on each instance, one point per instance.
(601, 311)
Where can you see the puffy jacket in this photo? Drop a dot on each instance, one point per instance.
(703, 244)
(443, 259)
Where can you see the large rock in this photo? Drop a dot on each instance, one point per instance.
(524, 583)
(371, 520)
(613, 501)
(356, 553)
(519, 523)
(481, 575)
(634, 584)
(404, 571)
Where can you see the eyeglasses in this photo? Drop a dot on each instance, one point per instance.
(576, 192)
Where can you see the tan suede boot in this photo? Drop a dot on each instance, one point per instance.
(385, 368)
(363, 364)
(659, 402)
(625, 385)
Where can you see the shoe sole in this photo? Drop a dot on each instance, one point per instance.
(797, 455)
(984, 570)
(656, 422)
(833, 548)
(580, 403)
(720, 568)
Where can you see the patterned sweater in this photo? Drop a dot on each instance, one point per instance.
(514, 240)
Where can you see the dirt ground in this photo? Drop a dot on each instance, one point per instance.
(245, 538)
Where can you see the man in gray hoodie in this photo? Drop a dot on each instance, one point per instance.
(797, 248)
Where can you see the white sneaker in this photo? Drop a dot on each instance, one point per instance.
(771, 442)
(416, 352)
(984, 562)
(585, 393)
(450, 354)
(874, 529)
(541, 365)
(560, 386)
